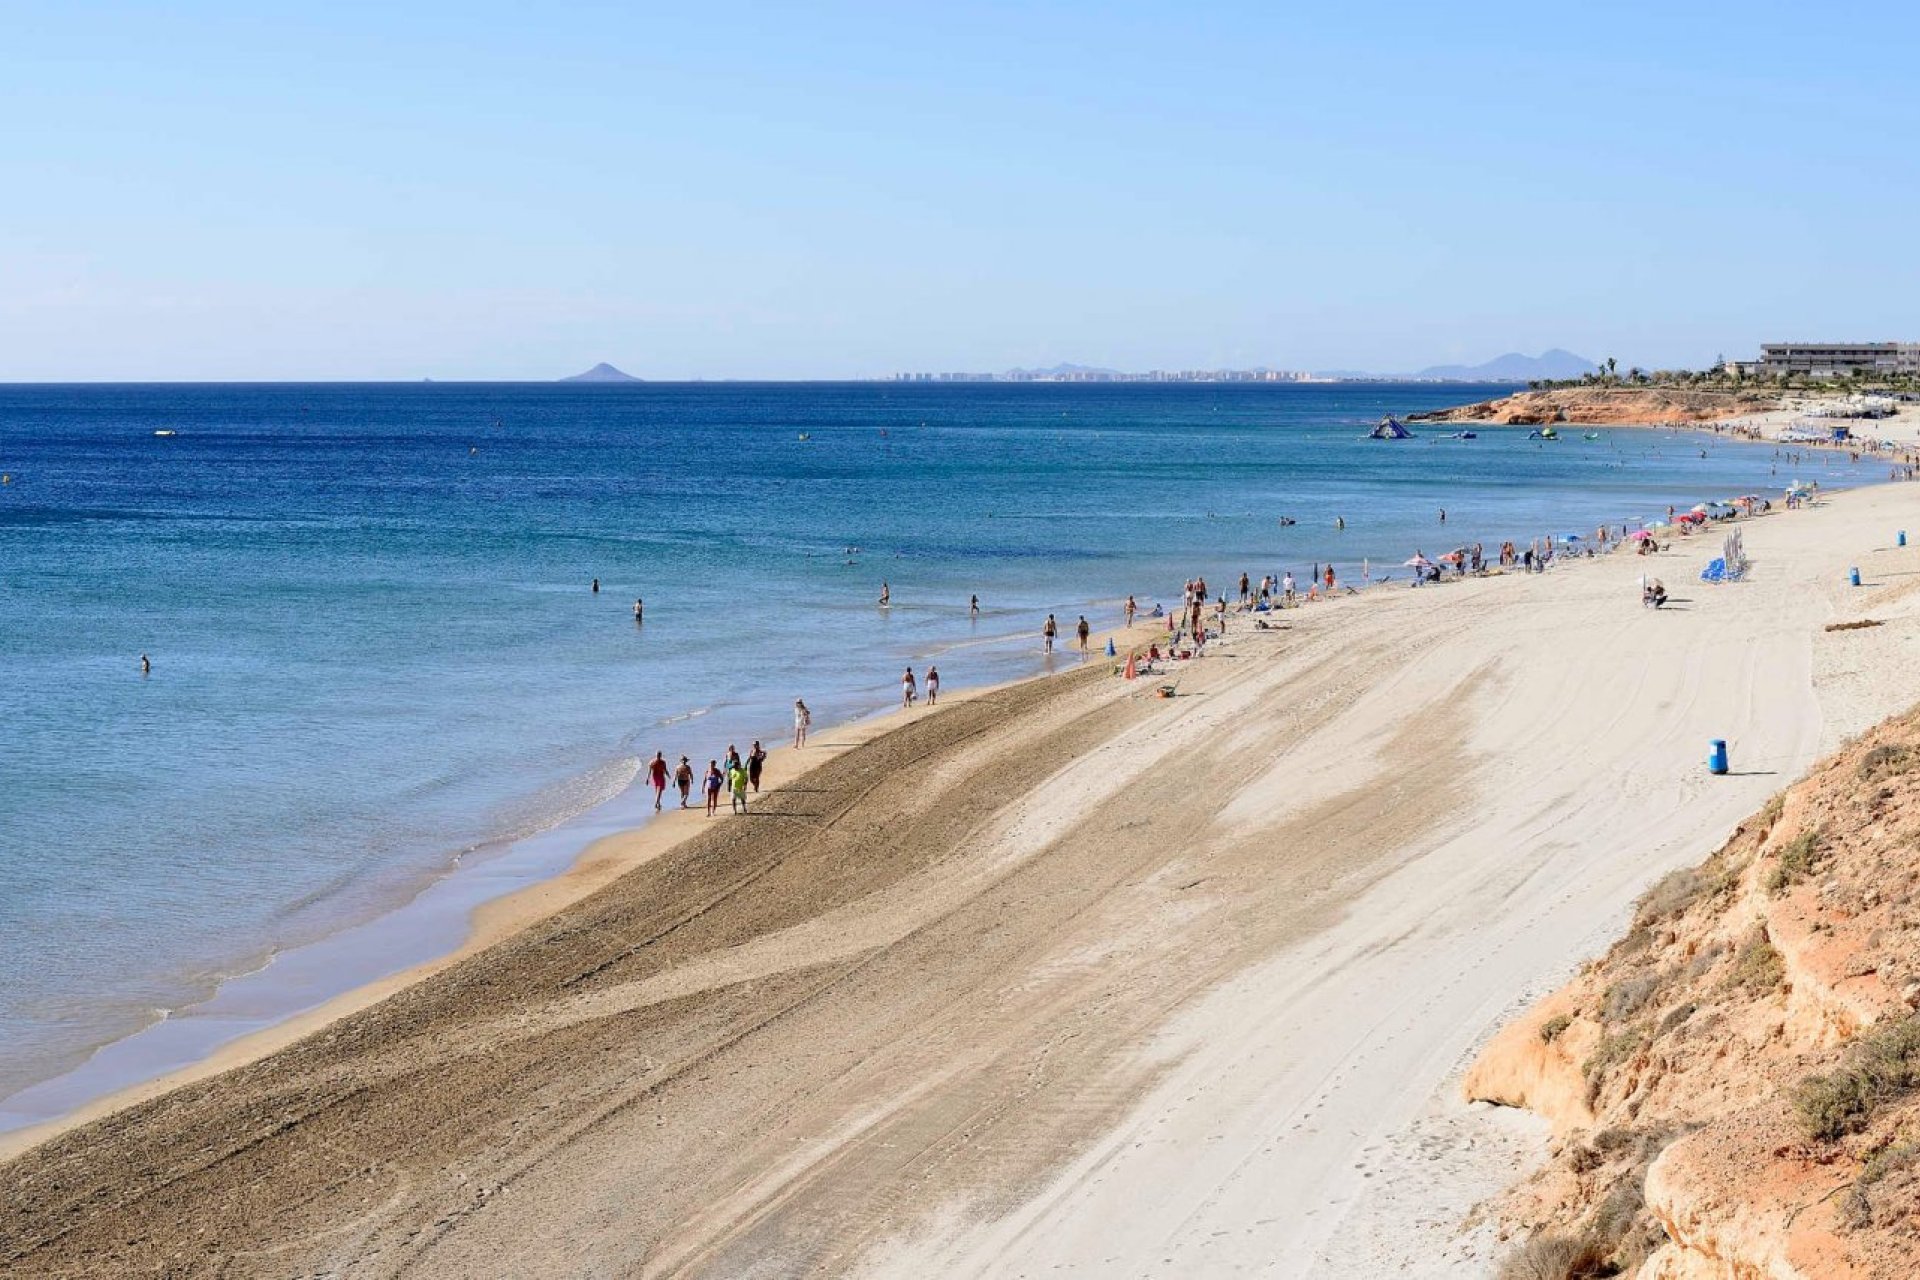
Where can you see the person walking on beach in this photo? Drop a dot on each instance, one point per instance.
(1047, 632)
(1246, 587)
(1287, 588)
(756, 761)
(713, 784)
(802, 718)
(1130, 611)
(1329, 578)
(683, 779)
(737, 784)
(933, 685)
(733, 756)
(907, 690)
(657, 775)
(1083, 631)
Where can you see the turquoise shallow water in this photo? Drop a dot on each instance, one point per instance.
(376, 654)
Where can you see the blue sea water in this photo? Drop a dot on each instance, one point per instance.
(376, 654)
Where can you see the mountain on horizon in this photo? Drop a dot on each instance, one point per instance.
(602, 372)
(1512, 367)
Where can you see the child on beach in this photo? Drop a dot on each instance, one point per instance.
(657, 775)
(713, 784)
(801, 719)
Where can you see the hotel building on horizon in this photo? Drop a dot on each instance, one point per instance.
(1831, 359)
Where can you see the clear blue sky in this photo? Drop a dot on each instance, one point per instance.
(358, 190)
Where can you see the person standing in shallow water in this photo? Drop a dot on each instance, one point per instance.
(907, 690)
(756, 761)
(1082, 631)
(802, 719)
(1130, 611)
(639, 610)
(596, 586)
(973, 607)
(933, 685)
(1047, 633)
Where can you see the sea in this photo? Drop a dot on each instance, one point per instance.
(383, 689)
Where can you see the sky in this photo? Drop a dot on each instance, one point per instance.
(259, 190)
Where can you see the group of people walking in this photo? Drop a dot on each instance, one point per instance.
(733, 775)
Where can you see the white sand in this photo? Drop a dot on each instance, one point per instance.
(1310, 1123)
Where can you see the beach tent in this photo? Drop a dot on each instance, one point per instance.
(1389, 428)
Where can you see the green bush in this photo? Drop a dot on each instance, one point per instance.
(1882, 1065)
(1550, 1029)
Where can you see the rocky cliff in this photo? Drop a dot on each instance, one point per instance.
(1599, 406)
(1735, 1087)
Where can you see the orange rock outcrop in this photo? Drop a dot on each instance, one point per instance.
(1734, 1088)
(1607, 406)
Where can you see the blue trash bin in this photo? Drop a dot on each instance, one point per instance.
(1853, 576)
(1717, 756)
(1902, 539)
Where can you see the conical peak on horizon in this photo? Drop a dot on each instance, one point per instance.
(602, 372)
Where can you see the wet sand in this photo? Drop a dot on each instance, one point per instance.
(1060, 979)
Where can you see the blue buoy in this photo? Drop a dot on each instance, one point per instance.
(1853, 576)
(1717, 756)
(1110, 649)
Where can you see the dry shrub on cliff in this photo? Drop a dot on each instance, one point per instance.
(1883, 1064)
(1887, 1189)
(1799, 858)
(1676, 894)
(1557, 1258)
(1884, 761)
(1757, 967)
(1629, 996)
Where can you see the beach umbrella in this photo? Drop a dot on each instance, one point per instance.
(1700, 506)
(1640, 535)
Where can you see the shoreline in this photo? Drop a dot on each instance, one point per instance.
(1339, 768)
(466, 923)
(478, 920)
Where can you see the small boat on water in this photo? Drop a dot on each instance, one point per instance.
(1464, 435)
(166, 431)
(1591, 435)
(1543, 433)
(1389, 428)
(806, 435)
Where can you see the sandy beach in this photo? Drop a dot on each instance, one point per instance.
(1061, 979)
